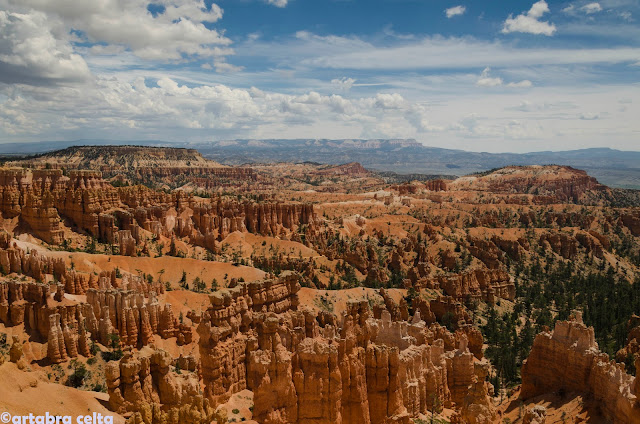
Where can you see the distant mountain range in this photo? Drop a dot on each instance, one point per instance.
(614, 168)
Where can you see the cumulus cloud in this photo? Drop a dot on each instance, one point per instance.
(455, 11)
(591, 8)
(224, 67)
(31, 53)
(389, 101)
(588, 9)
(530, 22)
(520, 84)
(104, 104)
(278, 3)
(141, 105)
(589, 116)
(343, 83)
(177, 32)
(486, 80)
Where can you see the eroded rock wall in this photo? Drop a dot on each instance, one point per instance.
(568, 358)
(317, 368)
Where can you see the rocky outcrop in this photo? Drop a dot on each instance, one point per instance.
(562, 244)
(147, 386)
(222, 218)
(535, 415)
(125, 306)
(632, 348)
(436, 185)
(631, 220)
(569, 359)
(43, 198)
(127, 243)
(317, 368)
(485, 284)
(557, 183)
(56, 344)
(134, 316)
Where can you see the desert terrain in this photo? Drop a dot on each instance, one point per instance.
(157, 286)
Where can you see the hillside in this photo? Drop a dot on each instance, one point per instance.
(161, 167)
(124, 157)
(612, 167)
(251, 299)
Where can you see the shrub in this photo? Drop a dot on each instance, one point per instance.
(77, 378)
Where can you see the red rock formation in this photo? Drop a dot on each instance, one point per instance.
(311, 369)
(632, 347)
(479, 284)
(146, 386)
(555, 183)
(631, 220)
(42, 198)
(569, 359)
(127, 243)
(436, 185)
(562, 244)
(535, 415)
(56, 347)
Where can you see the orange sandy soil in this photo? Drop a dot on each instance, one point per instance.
(23, 392)
(183, 301)
(336, 300)
(173, 267)
(33, 350)
(571, 408)
(247, 244)
(239, 402)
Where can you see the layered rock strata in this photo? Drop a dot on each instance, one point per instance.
(43, 198)
(568, 359)
(155, 390)
(318, 368)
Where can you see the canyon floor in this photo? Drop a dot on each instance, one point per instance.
(156, 286)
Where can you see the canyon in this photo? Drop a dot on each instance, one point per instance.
(175, 289)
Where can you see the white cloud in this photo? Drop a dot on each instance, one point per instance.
(455, 11)
(487, 81)
(627, 16)
(31, 53)
(428, 53)
(52, 95)
(529, 22)
(521, 84)
(589, 116)
(586, 9)
(591, 8)
(224, 67)
(176, 34)
(343, 83)
(389, 101)
(119, 107)
(109, 103)
(278, 3)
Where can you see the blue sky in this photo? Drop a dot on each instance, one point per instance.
(482, 76)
